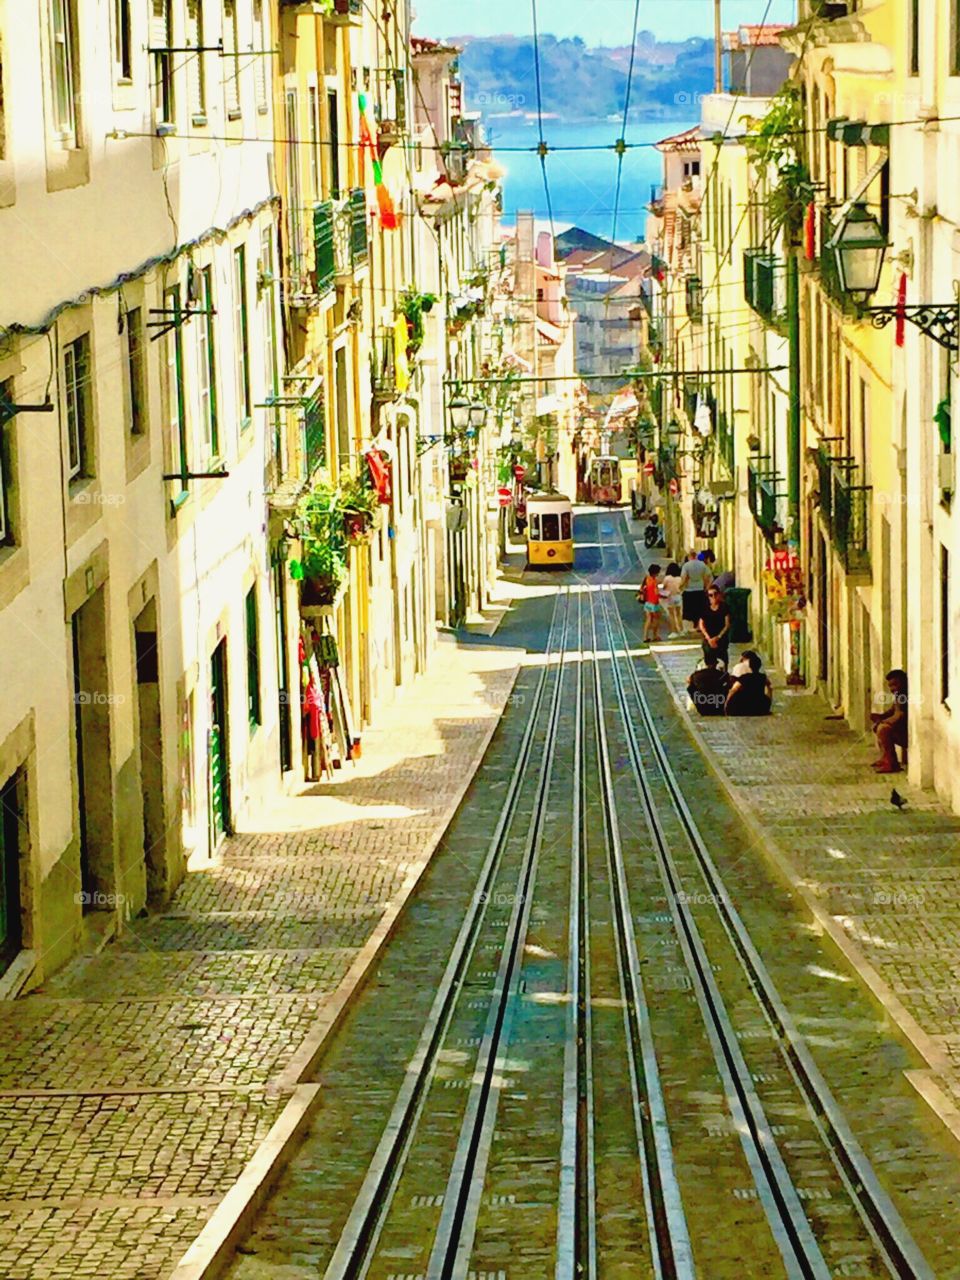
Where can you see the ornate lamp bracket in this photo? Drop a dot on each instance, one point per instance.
(941, 323)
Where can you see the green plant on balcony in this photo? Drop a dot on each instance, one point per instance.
(413, 307)
(775, 146)
(942, 418)
(322, 567)
(359, 504)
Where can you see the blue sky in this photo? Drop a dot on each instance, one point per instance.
(597, 21)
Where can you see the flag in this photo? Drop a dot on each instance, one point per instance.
(810, 232)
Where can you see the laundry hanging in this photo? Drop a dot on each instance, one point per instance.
(368, 143)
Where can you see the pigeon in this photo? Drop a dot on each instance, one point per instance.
(897, 799)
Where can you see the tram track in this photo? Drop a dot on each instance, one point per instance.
(777, 1189)
(542, 1129)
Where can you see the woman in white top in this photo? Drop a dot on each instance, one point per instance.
(670, 587)
(695, 577)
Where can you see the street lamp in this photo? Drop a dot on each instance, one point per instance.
(467, 415)
(859, 246)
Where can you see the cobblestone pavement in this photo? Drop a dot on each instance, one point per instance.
(884, 882)
(137, 1083)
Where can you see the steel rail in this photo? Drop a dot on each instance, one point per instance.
(358, 1240)
(576, 1210)
(669, 1235)
(890, 1234)
(453, 1241)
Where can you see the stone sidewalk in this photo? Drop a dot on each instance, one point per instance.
(883, 883)
(137, 1084)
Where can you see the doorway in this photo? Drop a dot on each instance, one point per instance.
(150, 745)
(218, 747)
(283, 662)
(12, 845)
(823, 610)
(91, 724)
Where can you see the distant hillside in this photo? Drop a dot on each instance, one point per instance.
(581, 83)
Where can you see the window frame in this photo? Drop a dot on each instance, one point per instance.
(8, 533)
(260, 65)
(76, 406)
(123, 41)
(207, 367)
(136, 368)
(164, 87)
(64, 80)
(231, 51)
(197, 67)
(252, 634)
(176, 390)
(241, 314)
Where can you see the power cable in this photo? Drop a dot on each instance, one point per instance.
(622, 140)
(542, 149)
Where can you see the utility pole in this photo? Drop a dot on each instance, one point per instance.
(717, 47)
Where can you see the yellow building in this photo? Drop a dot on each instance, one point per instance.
(852, 522)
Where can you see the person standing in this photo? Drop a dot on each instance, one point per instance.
(714, 626)
(649, 594)
(695, 578)
(671, 599)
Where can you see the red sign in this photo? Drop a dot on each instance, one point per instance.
(674, 487)
(519, 472)
(505, 496)
(649, 468)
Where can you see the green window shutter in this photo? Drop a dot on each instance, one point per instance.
(253, 660)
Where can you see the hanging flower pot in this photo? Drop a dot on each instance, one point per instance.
(357, 526)
(318, 591)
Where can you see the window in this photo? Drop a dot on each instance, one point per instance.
(944, 624)
(196, 62)
(176, 392)
(136, 372)
(334, 122)
(231, 62)
(207, 367)
(253, 660)
(955, 37)
(242, 334)
(6, 466)
(914, 38)
(261, 60)
(63, 58)
(76, 406)
(295, 198)
(315, 168)
(271, 368)
(122, 40)
(161, 40)
(865, 430)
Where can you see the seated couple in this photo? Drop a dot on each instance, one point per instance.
(746, 691)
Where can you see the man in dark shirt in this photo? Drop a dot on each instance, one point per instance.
(751, 693)
(707, 687)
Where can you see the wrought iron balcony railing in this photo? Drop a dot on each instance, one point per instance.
(325, 265)
(383, 367)
(313, 429)
(359, 241)
(845, 509)
(766, 501)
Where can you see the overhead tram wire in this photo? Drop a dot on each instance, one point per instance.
(621, 144)
(542, 149)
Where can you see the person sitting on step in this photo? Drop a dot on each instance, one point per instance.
(891, 726)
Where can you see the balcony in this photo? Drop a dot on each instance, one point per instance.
(845, 510)
(350, 242)
(383, 367)
(325, 264)
(345, 13)
(313, 431)
(765, 502)
(765, 286)
(390, 103)
(694, 292)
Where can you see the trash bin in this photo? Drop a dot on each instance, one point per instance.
(738, 602)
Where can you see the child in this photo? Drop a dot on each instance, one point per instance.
(671, 600)
(649, 593)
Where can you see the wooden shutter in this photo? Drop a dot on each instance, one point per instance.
(261, 61)
(231, 63)
(195, 61)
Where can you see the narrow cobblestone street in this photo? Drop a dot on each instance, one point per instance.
(138, 1083)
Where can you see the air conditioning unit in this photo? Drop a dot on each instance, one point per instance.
(947, 471)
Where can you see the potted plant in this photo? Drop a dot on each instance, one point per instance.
(359, 505)
(414, 306)
(322, 567)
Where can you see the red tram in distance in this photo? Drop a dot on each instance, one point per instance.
(605, 486)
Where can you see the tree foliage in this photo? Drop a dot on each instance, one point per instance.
(775, 144)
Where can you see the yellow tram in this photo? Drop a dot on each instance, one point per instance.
(549, 531)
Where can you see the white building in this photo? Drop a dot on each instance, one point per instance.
(138, 700)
